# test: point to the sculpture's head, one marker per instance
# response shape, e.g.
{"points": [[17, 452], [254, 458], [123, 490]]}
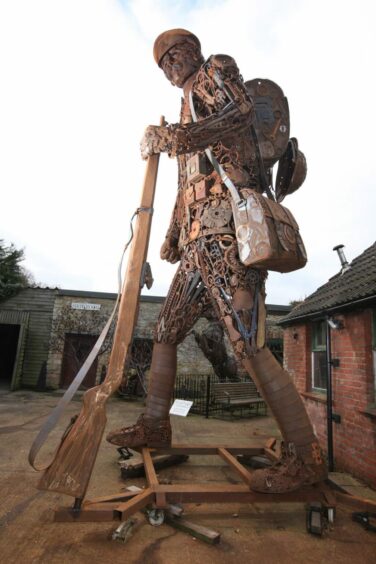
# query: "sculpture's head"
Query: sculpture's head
{"points": [[178, 53]]}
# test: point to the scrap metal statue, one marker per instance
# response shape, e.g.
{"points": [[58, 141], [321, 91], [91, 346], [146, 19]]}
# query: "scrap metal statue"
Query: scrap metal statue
{"points": [[212, 344], [202, 237]]}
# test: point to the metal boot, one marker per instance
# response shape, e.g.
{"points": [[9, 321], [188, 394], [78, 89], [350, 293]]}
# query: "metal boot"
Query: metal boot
{"points": [[153, 428], [301, 460]]}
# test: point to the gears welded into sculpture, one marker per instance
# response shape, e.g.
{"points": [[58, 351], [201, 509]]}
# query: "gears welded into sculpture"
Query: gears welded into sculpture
{"points": [[201, 236]]}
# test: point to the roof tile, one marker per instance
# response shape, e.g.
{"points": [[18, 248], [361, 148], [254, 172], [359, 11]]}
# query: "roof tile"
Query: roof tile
{"points": [[342, 289]]}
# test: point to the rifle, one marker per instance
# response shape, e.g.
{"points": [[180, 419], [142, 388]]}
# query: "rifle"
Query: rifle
{"points": [[71, 469]]}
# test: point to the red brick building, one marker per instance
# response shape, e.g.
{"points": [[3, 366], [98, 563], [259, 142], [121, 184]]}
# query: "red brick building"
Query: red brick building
{"points": [[330, 351]]}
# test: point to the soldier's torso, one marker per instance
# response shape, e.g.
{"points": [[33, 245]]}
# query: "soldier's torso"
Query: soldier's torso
{"points": [[205, 203]]}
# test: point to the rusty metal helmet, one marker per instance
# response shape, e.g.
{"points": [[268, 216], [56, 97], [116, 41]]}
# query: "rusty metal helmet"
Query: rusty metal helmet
{"points": [[166, 40], [292, 170]]}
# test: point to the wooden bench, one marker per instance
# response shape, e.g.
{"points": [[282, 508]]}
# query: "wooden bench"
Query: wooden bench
{"points": [[238, 395]]}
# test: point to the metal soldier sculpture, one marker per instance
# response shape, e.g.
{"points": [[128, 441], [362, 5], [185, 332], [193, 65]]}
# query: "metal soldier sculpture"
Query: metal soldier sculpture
{"points": [[201, 236]]}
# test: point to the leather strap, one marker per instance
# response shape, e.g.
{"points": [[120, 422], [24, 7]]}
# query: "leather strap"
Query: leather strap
{"points": [[240, 202]]}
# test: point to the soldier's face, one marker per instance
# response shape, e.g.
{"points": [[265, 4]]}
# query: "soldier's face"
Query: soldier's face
{"points": [[180, 62]]}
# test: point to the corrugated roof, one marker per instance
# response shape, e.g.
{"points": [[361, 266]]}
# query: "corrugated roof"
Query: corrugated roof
{"points": [[147, 298], [105, 295], [357, 283]]}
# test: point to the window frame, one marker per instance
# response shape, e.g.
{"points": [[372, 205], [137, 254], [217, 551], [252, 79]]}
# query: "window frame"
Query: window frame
{"points": [[318, 345]]}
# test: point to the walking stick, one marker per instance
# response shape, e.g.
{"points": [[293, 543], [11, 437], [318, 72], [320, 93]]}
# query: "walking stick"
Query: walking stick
{"points": [[72, 466]]}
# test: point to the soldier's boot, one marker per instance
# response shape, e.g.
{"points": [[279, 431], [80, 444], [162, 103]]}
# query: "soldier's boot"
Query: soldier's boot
{"points": [[153, 428], [301, 460]]}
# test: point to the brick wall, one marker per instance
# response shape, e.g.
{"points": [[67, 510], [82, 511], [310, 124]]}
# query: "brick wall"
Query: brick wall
{"points": [[297, 354], [353, 390]]}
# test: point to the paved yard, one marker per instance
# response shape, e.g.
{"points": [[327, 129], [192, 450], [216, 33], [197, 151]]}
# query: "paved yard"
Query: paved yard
{"points": [[265, 533]]}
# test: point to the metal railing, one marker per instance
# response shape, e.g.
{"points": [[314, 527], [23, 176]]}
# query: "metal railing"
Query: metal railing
{"points": [[199, 389]]}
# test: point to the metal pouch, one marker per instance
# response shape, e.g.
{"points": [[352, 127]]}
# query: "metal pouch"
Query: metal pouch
{"points": [[267, 234], [292, 170]]}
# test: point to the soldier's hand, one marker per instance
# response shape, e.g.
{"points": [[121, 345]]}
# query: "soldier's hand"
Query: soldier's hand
{"points": [[156, 139], [170, 251]]}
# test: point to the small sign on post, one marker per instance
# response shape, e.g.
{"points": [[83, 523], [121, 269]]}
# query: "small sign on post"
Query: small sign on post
{"points": [[181, 407]]}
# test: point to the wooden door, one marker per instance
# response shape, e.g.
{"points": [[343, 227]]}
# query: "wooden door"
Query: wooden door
{"points": [[76, 350], [9, 337]]}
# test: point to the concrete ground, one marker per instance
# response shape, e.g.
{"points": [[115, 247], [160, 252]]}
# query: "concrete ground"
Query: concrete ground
{"points": [[265, 533]]}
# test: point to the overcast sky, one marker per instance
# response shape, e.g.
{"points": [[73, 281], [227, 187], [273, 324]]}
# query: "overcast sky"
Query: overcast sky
{"points": [[79, 85]]}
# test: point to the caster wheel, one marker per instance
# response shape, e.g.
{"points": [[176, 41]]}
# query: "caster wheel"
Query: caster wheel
{"points": [[156, 517]]}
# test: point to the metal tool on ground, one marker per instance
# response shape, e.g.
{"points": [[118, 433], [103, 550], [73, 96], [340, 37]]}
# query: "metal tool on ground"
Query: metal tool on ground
{"points": [[124, 531], [125, 453], [365, 518], [164, 461]]}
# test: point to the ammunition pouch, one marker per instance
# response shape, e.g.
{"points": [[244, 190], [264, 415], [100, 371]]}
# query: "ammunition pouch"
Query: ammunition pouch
{"points": [[267, 234], [292, 170]]}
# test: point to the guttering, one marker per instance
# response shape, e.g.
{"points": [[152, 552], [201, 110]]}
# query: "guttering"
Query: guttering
{"points": [[328, 311]]}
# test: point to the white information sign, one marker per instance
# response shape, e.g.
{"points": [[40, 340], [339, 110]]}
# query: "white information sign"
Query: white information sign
{"points": [[181, 407], [84, 305]]}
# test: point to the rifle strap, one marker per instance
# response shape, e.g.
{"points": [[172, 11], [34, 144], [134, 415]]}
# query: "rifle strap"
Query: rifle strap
{"points": [[57, 412], [217, 167]]}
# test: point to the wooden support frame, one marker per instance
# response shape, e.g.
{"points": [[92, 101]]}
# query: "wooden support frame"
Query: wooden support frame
{"points": [[118, 507]]}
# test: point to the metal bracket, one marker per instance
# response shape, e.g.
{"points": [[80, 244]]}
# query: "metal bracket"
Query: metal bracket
{"points": [[317, 518], [336, 417]]}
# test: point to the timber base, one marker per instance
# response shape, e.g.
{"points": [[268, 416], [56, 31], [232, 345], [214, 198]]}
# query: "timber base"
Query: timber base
{"points": [[118, 507]]}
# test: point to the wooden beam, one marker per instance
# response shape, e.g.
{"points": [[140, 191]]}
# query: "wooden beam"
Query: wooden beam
{"points": [[98, 513], [231, 493], [138, 502], [235, 464], [109, 498], [151, 476], [359, 503], [208, 449], [193, 529]]}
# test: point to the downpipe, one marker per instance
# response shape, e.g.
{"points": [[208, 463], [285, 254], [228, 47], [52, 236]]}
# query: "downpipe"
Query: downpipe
{"points": [[329, 397]]}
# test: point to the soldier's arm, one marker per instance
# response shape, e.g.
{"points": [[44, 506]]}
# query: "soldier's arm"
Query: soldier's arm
{"points": [[232, 107], [170, 250], [232, 112]]}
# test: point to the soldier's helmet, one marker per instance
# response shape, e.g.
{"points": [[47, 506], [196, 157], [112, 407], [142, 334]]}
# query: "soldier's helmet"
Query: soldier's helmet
{"points": [[168, 39]]}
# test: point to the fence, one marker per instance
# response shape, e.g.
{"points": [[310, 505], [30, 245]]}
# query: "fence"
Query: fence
{"points": [[199, 389]]}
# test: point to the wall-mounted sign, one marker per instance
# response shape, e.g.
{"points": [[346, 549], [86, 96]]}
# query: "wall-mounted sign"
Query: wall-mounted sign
{"points": [[84, 305]]}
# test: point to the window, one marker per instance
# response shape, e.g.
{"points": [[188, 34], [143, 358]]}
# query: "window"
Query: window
{"points": [[319, 361]]}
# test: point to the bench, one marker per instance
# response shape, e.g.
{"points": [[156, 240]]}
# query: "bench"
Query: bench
{"points": [[238, 395]]}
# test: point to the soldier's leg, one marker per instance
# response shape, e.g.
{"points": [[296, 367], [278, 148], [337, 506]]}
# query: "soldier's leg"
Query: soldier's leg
{"points": [[240, 298], [302, 461], [185, 302]]}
